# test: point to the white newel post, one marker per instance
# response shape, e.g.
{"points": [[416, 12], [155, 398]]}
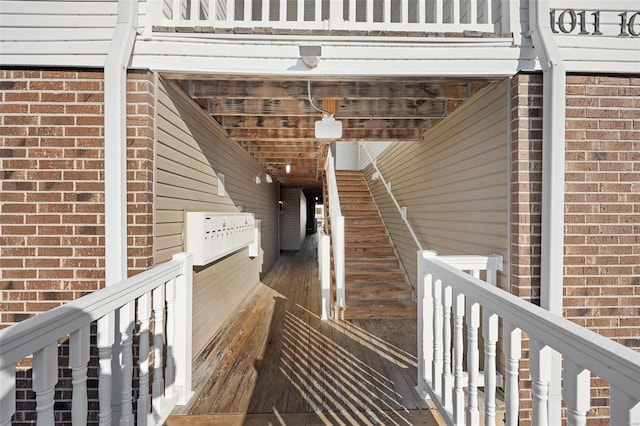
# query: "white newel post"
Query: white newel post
{"points": [[78, 359], [183, 316], [7, 394], [425, 323], [169, 369], [45, 377]]}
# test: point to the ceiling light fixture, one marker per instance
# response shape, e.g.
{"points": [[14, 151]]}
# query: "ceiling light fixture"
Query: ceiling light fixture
{"points": [[311, 55], [328, 127]]}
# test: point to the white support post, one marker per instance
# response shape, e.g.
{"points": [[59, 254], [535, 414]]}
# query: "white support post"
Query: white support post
{"points": [[182, 351], [7, 394], [624, 409], [425, 323], [105, 340], [339, 261], [324, 249], [144, 313], [78, 359], [473, 324], [45, 377], [512, 338], [576, 392], [387, 11], [490, 334]]}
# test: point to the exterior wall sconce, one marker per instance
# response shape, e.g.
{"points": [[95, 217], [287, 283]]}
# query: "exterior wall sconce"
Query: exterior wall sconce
{"points": [[311, 55], [287, 168], [269, 178], [258, 180]]}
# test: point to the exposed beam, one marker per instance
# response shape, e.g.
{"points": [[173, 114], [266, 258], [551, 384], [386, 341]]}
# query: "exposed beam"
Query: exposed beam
{"points": [[285, 122], [308, 135]]}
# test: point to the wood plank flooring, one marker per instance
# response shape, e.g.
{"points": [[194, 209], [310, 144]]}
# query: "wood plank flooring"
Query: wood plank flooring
{"points": [[276, 362]]}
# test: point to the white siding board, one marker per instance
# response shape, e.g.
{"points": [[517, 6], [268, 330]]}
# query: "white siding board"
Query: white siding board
{"points": [[191, 149], [454, 183]]}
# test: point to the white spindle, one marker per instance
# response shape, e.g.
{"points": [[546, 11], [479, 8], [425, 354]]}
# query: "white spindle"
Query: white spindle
{"points": [[512, 338], [300, 10], [158, 344], [265, 10], [144, 313], [458, 352], [421, 12], [490, 333], [473, 324], [105, 341], [624, 409], [194, 13], [404, 9], [473, 11], [352, 11], [127, 323], [488, 11], [455, 18], [175, 10], [317, 15], [7, 394], [447, 376], [248, 13], [231, 10], [576, 392], [437, 336], [171, 338], [387, 11], [540, 363], [78, 359], [369, 11], [439, 11], [45, 377]]}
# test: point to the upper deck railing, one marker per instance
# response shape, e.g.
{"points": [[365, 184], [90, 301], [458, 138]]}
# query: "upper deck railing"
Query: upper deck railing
{"points": [[349, 15]]}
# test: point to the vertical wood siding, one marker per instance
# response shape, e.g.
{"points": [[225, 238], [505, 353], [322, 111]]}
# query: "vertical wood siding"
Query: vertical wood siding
{"points": [[191, 150], [293, 220], [455, 183]]}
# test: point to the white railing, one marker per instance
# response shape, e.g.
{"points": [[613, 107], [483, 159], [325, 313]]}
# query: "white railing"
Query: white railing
{"points": [[161, 295], [403, 214], [449, 300], [324, 270], [337, 231], [366, 15]]}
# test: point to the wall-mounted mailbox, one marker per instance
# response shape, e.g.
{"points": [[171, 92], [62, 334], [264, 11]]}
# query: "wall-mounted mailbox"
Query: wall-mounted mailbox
{"points": [[210, 236]]}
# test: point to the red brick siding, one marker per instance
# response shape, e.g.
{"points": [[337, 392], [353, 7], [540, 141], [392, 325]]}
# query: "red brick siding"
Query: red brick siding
{"points": [[52, 188], [526, 197], [602, 212]]}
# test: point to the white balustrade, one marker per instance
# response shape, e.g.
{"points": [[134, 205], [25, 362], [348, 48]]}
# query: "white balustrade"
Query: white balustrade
{"points": [[39, 337], [475, 302], [369, 15]]}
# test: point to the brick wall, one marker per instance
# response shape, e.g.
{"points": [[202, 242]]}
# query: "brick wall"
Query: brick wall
{"points": [[526, 197], [52, 199], [602, 211]]}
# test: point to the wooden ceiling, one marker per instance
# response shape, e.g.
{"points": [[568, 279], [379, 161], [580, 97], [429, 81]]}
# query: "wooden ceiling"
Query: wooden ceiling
{"points": [[273, 119]]}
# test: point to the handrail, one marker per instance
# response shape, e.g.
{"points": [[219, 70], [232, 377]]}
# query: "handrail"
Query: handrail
{"points": [[393, 198], [164, 290], [337, 230], [449, 299]]}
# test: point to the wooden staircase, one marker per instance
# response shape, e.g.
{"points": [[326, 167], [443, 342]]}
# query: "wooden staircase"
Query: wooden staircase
{"points": [[375, 284]]}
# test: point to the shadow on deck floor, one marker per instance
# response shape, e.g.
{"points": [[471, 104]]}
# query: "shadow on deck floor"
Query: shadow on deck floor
{"points": [[275, 361]]}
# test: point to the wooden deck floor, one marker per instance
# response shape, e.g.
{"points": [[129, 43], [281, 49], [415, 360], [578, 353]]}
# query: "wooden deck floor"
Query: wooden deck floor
{"points": [[276, 362]]}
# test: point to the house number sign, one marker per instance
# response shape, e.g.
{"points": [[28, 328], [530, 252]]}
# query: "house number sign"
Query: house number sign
{"points": [[587, 22]]}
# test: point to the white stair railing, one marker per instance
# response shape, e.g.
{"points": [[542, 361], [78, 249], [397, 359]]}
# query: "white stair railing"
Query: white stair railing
{"points": [[324, 269], [432, 16], [337, 231], [166, 290], [443, 288]]}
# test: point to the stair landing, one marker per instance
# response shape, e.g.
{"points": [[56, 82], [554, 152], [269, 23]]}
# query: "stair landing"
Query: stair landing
{"points": [[375, 284]]}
